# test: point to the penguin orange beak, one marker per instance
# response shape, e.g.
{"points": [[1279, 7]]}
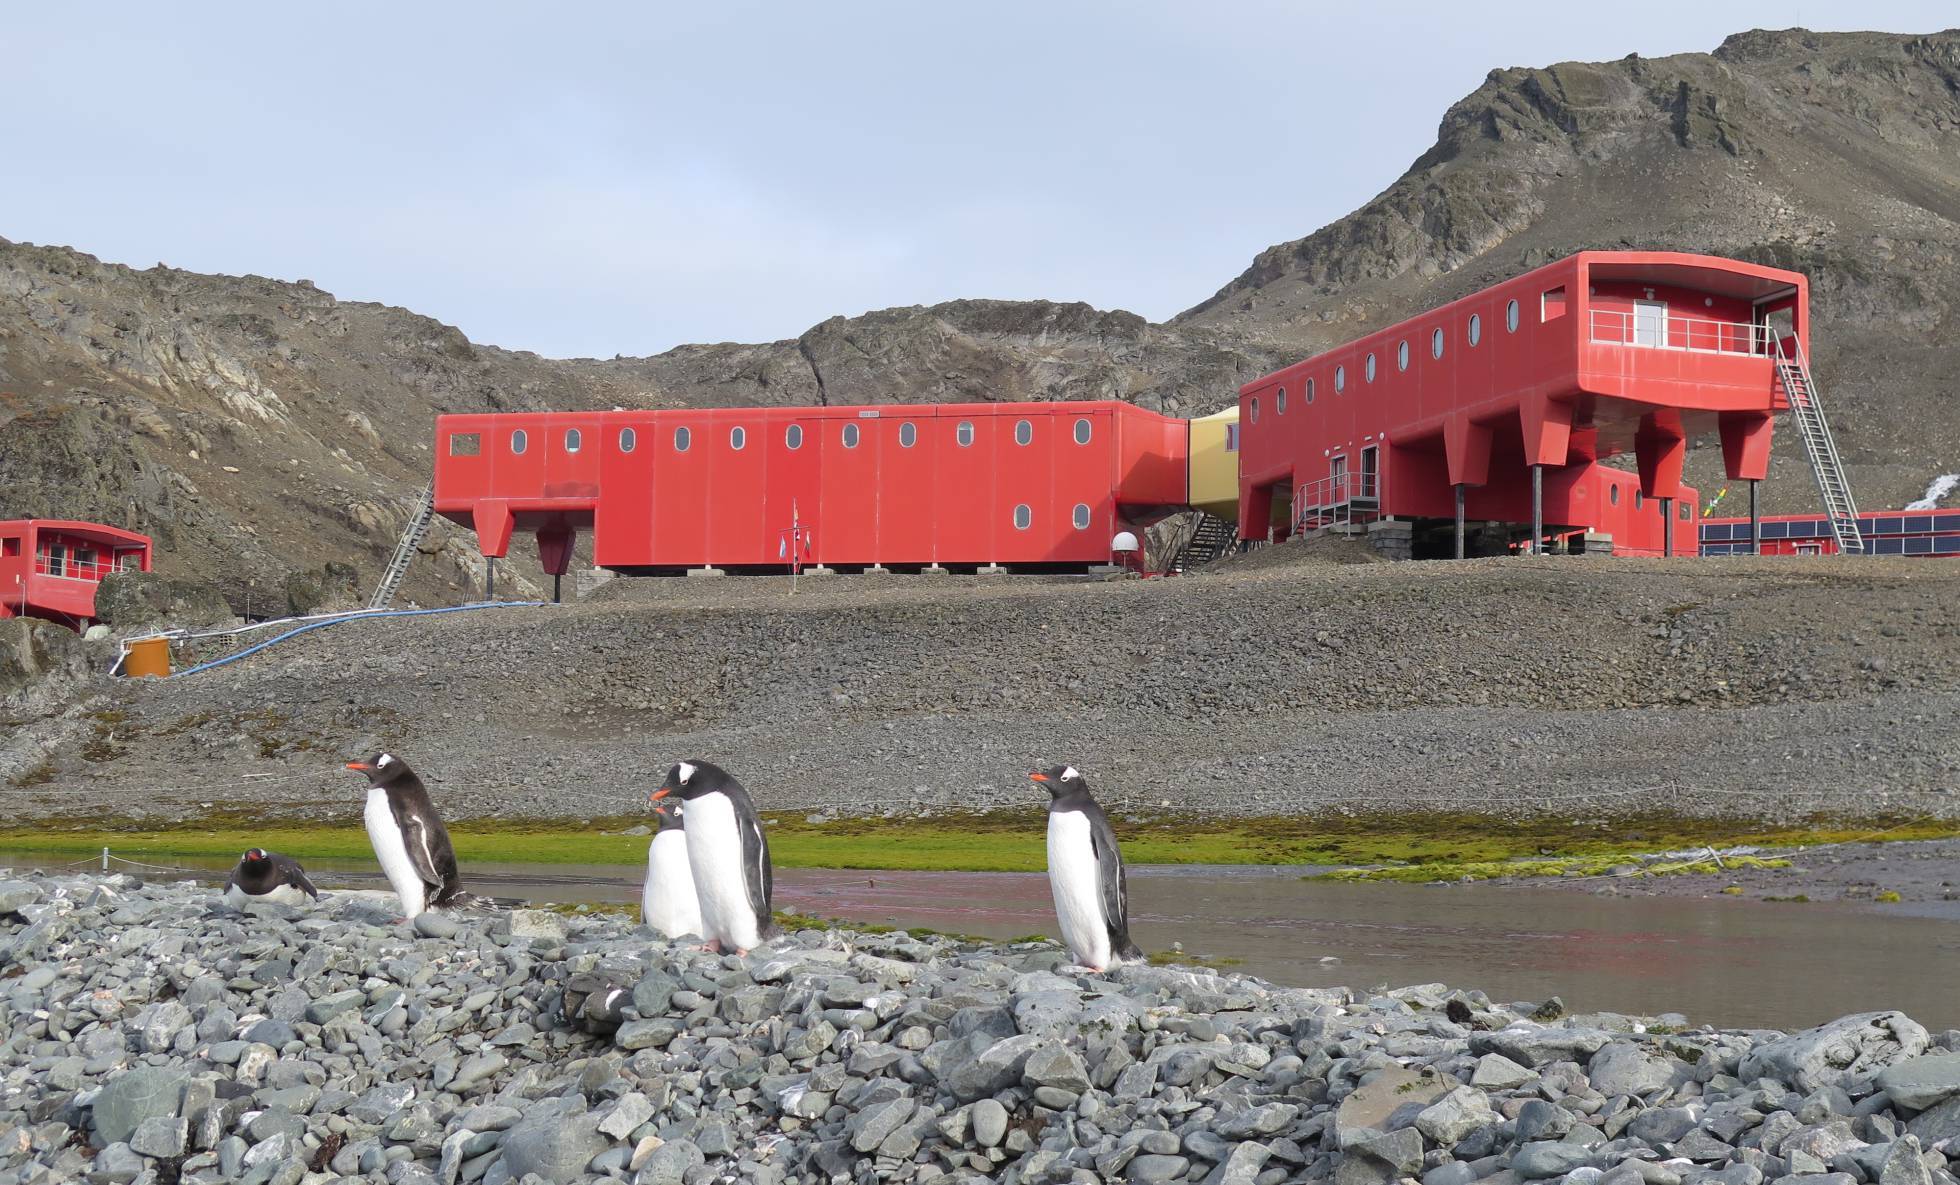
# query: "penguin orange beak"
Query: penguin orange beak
{"points": [[1037, 777], [360, 765], [659, 794]]}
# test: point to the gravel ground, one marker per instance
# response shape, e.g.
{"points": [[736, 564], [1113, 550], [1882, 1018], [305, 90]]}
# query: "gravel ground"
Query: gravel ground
{"points": [[1283, 683], [1884, 877], [154, 1034]]}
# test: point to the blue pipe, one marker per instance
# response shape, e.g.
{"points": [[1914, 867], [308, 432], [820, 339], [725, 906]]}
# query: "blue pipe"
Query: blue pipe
{"points": [[316, 625]]}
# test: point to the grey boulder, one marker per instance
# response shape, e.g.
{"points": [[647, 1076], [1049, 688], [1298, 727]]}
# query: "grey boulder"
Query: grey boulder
{"points": [[1830, 1054]]}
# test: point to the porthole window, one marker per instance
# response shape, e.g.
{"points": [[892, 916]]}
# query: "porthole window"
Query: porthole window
{"points": [[573, 440], [1255, 411], [1023, 432], [1639, 499], [1081, 516], [1368, 368], [737, 437], [1340, 379], [1476, 329], [1023, 517], [1436, 343], [518, 442], [793, 436], [1309, 390], [1279, 402], [1082, 430], [1613, 494], [1402, 355], [1511, 317], [850, 436], [1687, 511], [964, 433], [628, 440], [908, 434], [681, 439]]}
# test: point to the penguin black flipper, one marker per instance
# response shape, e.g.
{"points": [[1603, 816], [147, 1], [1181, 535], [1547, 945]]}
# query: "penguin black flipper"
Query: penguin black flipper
{"points": [[1115, 884], [760, 876], [429, 849], [288, 872]]}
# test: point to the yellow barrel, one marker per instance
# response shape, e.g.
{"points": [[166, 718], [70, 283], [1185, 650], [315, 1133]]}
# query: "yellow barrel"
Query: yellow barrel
{"points": [[148, 656]]}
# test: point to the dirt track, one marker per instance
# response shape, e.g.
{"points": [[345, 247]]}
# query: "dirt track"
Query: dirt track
{"points": [[1764, 689]]}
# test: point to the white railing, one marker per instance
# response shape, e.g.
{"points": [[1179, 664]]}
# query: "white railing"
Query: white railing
{"points": [[73, 569], [1341, 500], [1660, 330]]}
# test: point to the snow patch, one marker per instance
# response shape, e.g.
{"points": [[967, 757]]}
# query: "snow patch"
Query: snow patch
{"points": [[1942, 486]]}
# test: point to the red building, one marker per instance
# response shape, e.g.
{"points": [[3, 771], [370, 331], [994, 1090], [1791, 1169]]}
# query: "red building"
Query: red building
{"points": [[49, 567], [1888, 532], [1035, 486], [1497, 407]]}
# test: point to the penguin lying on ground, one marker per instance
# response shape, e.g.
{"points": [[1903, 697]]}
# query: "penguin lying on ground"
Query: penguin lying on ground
{"points": [[267, 876], [730, 856], [1085, 873], [408, 836], [668, 903]]}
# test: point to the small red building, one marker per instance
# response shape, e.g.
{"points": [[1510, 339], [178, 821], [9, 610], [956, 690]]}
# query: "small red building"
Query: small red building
{"points": [[1497, 407], [1033, 486], [49, 567]]}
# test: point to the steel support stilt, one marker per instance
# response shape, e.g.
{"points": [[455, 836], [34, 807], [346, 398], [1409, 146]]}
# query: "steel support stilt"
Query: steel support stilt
{"points": [[1459, 520], [1755, 521], [1537, 508]]}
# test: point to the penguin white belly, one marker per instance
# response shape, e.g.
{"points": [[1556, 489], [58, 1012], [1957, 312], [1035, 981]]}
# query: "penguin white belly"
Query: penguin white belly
{"points": [[392, 850], [1076, 882], [714, 848], [668, 903], [238, 898]]}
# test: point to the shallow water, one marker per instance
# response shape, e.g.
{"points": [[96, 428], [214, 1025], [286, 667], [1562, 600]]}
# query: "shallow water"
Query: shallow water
{"points": [[1717, 960]]}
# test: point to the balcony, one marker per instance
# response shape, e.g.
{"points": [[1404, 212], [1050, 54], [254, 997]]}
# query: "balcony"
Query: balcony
{"points": [[64, 568], [1658, 329]]}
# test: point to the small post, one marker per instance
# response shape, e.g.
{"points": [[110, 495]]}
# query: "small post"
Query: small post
{"points": [[490, 578], [105, 859], [555, 578], [1459, 520], [1537, 506], [1755, 522], [1667, 527]]}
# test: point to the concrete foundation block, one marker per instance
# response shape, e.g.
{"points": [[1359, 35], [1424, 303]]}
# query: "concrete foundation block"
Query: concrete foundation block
{"points": [[692, 572], [1595, 543], [932, 570], [820, 570], [992, 570]]}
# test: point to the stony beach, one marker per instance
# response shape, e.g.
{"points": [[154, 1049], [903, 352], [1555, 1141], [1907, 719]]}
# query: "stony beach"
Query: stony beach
{"points": [[155, 1035]]}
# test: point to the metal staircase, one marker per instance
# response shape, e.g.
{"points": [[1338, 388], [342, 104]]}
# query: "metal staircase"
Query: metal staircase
{"points": [[405, 548], [1213, 537], [1794, 372]]}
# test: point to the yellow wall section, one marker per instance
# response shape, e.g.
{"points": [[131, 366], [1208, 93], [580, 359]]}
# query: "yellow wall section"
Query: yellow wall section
{"points": [[1214, 470]]}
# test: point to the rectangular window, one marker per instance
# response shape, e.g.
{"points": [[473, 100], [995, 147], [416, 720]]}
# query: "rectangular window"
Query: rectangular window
{"points": [[1551, 305], [1231, 438], [465, 444], [9, 547]]}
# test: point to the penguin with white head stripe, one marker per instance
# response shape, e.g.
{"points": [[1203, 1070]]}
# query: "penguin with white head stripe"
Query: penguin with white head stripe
{"points": [[1085, 873], [728, 853], [408, 836]]}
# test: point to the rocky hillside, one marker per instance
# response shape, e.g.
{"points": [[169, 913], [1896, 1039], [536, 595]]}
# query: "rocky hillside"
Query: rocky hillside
{"points": [[1834, 154], [259, 427]]}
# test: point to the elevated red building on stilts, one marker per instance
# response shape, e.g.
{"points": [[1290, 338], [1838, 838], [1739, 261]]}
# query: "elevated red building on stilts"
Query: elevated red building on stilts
{"points": [[49, 568], [1497, 408]]}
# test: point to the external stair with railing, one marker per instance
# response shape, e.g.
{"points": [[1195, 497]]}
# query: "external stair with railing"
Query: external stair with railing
{"points": [[1212, 538], [405, 549], [1793, 371]]}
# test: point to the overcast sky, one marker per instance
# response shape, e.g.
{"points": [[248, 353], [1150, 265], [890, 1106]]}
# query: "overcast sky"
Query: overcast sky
{"points": [[621, 178]]}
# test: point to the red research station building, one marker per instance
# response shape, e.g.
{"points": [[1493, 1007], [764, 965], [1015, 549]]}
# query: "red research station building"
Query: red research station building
{"points": [[1497, 407], [49, 568], [1038, 486]]}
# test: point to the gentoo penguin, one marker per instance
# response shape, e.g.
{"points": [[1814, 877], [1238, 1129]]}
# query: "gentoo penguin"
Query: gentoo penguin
{"points": [[267, 876], [729, 854], [668, 903], [1085, 873], [408, 836]]}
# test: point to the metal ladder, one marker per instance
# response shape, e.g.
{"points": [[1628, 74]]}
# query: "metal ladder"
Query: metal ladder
{"points": [[1794, 372], [1214, 537], [405, 548]]}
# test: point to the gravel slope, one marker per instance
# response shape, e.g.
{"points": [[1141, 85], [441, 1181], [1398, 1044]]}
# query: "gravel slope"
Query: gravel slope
{"points": [[1766, 689]]}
